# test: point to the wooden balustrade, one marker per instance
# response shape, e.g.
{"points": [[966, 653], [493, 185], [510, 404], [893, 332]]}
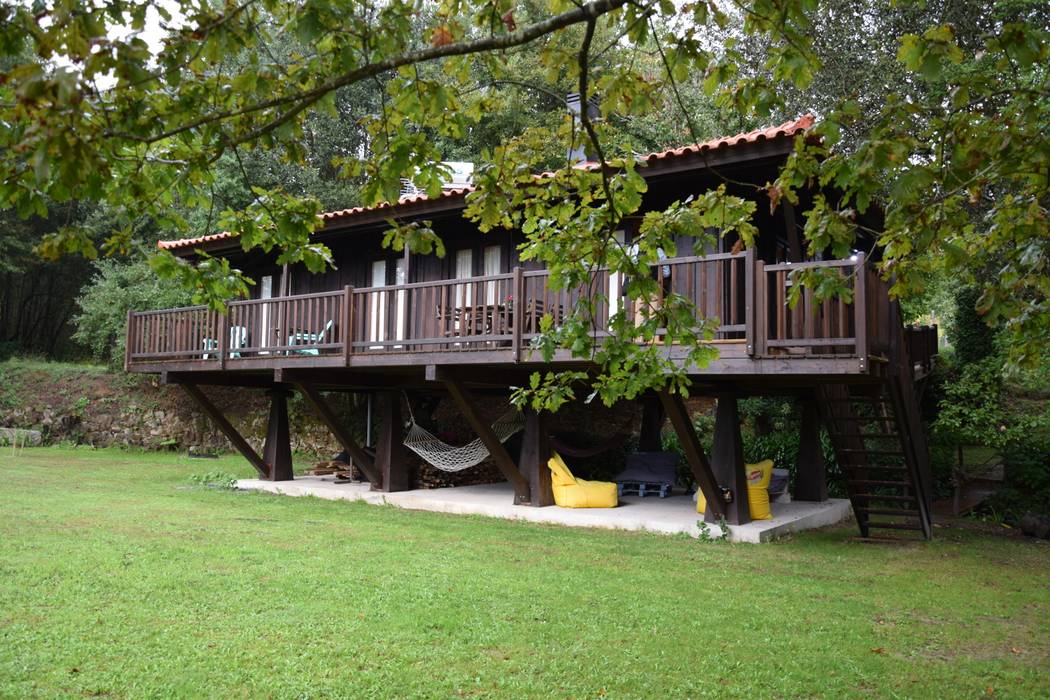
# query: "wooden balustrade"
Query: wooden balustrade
{"points": [[447, 315], [301, 325], [174, 334], [809, 327], [504, 312]]}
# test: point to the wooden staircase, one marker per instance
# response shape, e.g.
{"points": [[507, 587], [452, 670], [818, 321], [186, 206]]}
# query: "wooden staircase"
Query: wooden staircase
{"points": [[880, 446]]}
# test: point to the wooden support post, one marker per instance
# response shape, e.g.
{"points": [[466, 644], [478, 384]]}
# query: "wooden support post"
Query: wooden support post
{"points": [[361, 458], [390, 452], [129, 341], [749, 301], [277, 452], [465, 401], [860, 310], [761, 327], [653, 417], [519, 311], [347, 322], [727, 459], [811, 482], [238, 442], [224, 336], [694, 454], [795, 253], [535, 453]]}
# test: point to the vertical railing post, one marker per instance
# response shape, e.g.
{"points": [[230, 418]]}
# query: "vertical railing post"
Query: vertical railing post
{"points": [[761, 304], [860, 310], [749, 301], [347, 322], [518, 313], [128, 339], [224, 335]]}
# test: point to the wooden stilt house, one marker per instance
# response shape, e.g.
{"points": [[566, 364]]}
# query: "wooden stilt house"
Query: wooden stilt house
{"points": [[383, 322]]}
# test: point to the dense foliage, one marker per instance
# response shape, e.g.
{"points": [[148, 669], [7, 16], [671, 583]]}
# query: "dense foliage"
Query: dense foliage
{"points": [[953, 138], [115, 289]]}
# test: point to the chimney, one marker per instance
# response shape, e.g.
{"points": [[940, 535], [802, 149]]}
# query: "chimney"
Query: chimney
{"points": [[572, 102]]}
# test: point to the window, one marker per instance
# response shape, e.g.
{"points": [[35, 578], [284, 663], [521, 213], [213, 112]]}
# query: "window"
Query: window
{"points": [[377, 305], [400, 298], [491, 260], [464, 270]]}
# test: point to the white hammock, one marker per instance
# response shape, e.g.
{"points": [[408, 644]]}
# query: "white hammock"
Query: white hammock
{"points": [[450, 458]]}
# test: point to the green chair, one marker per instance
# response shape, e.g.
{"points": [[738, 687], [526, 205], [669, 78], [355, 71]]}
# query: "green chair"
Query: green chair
{"points": [[309, 339]]}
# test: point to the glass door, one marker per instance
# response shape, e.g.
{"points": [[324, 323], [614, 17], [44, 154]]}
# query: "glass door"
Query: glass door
{"points": [[377, 306], [400, 299]]}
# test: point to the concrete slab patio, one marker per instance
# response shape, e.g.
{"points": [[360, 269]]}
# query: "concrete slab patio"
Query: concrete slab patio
{"points": [[673, 515]]}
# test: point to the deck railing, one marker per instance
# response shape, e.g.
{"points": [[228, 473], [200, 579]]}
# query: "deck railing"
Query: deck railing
{"points": [[503, 312]]}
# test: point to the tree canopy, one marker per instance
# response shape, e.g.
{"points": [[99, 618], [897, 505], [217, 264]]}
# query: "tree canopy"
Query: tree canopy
{"points": [[937, 112]]}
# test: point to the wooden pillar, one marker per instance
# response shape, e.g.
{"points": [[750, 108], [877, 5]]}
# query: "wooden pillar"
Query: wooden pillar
{"points": [[390, 452], [235, 438], [694, 454], [362, 460], [727, 459], [465, 400], [653, 417], [811, 482], [532, 461], [277, 451]]}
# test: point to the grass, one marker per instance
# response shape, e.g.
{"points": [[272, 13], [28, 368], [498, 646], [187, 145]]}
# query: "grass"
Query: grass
{"points": [[121, 577]]}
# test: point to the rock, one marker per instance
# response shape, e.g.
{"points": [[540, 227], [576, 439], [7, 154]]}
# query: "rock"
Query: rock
{"points": [[1035, 525], [21, 436]]}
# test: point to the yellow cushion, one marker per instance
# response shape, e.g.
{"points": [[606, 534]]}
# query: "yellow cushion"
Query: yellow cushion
{"points": [[570, 492], [758, 476]]}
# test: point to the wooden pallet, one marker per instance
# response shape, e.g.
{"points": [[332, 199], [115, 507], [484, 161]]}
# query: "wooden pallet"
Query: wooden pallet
{"points": [[643, 489]]}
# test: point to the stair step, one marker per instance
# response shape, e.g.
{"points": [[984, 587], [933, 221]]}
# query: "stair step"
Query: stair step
{"points": [[886, 511], [870, 539], [861, 399], [867, 435], [894, 453], [876, 482], [895, 526], [884, 468], [888, 497]]}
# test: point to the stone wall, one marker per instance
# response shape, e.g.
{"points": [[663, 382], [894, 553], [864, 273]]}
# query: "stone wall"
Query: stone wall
{"points": [[103, 409]]}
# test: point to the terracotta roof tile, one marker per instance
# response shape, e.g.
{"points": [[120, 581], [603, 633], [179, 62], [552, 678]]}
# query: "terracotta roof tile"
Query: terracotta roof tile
{"points": [[788, 129]]}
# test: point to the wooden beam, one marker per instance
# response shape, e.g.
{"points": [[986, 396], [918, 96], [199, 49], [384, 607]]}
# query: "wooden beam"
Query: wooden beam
{"points": [[390, 451], [277, 451], [727, 459], [217, 378], [361, 458], [795, 253], [238, 442], [694, 454], [653, 417], [535, 453], [811, 482], [503, 376], [465, 401]]}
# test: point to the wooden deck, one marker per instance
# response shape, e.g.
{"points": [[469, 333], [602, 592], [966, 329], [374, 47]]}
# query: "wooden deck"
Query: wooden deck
{"points": [[492, 320]]}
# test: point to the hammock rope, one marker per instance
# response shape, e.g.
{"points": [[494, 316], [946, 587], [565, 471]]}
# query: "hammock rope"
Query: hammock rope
{"points": [[452, 458]]}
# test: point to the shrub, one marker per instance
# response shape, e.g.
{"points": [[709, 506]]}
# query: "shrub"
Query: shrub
{"points": [[769, 430], [214, 480], [973, 339], [119, 286]]}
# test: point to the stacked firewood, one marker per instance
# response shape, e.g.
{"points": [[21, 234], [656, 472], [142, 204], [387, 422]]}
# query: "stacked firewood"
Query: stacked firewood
{"points": [[427, 477], [340, 470]]}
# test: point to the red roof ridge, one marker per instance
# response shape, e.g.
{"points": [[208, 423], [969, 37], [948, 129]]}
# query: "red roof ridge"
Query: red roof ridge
{"points": [[788, 129]]}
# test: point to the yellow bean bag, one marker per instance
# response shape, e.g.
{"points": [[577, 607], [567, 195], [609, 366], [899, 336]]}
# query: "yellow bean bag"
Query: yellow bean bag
{"points": [[758, 476], [570, 492]]}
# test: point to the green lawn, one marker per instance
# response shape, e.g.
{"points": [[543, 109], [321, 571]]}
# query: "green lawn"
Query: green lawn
{"points": [[119, 578]]}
